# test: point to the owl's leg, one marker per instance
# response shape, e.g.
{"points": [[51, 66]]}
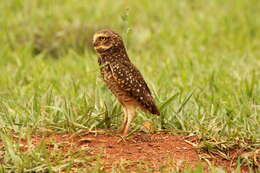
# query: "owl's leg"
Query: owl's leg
{"points": [[124, 120], [130, 116]]}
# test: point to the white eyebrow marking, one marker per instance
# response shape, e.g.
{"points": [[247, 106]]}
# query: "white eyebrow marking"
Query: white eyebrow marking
{"points": [[98, 35]]}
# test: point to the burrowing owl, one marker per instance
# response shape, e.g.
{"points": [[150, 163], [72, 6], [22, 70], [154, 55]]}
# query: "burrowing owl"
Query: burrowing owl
{"points": [[122, 77]]}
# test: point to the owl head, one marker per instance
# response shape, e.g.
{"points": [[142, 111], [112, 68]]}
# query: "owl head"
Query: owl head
{"points": [[107, 40]]}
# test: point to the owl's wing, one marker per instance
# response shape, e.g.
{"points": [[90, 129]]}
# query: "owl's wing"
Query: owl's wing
{"points": [[130, 80]]}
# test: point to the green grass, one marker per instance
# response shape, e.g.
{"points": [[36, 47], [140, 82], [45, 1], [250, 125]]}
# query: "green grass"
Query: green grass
{"points": [[200, 58]]}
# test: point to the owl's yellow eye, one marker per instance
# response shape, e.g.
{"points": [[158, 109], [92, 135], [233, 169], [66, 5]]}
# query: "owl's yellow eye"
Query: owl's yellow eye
{"points": [[102, 38]]}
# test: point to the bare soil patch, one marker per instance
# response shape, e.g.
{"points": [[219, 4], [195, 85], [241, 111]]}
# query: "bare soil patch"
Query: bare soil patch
{"points": [[158, 150]]}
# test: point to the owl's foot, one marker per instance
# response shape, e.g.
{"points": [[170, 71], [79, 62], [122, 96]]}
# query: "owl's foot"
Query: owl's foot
{"points": [[122, 138]]}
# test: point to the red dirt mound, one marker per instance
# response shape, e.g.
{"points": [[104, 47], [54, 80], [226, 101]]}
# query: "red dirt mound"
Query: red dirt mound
{"points": [[153, 148], [157, 150]]}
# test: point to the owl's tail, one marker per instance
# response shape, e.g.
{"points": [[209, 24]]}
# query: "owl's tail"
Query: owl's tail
{"points": [[148, 105], [154, 110]]}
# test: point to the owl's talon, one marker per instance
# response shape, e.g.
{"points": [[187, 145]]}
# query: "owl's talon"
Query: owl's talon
{"points": [[122, 139]]}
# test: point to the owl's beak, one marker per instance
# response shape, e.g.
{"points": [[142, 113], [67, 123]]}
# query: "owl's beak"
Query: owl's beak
{"points": [[94, 42]]}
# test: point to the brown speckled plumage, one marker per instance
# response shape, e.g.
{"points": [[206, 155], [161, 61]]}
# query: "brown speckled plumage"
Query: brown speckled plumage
{"points": [[122, 77]]}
